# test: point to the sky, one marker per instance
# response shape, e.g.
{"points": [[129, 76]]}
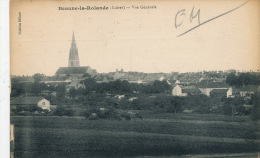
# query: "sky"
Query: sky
{"points": [[143, 40]]}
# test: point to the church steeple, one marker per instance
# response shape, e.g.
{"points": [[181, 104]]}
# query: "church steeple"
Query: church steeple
{"points": [[73, 57], [73, 38]]}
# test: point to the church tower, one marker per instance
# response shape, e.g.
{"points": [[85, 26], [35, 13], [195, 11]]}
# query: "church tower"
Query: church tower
{"points": [[73, 57]]}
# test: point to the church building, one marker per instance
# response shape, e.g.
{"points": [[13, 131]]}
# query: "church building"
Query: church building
{"points": [[74, 70], [74, 73]]}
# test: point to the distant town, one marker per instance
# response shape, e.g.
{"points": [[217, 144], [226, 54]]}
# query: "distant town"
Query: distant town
{"points": [[78, 112], [228, 92]]}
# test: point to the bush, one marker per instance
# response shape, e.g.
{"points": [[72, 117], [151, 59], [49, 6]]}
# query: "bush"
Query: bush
{"points": [[62, 111], [175, 105], [59, 111], [138, 116], [227, 110], [27, 110], [69, 112], [126, 116], [102, 113], [93, 116]]}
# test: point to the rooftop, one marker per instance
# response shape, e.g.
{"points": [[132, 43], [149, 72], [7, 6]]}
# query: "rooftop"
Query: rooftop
{"points": [[27, 100], [72, 70], [219, 91], [212, 85]]}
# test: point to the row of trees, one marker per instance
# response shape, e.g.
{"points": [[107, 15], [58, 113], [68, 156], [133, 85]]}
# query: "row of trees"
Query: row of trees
{"points": [[119, 86], [35, 88], [239, 80]]}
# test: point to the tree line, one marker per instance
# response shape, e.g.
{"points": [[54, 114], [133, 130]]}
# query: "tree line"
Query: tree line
{"points": [[241, 79]]}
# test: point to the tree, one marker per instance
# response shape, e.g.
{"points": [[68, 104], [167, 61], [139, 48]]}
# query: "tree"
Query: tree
{"points": [[69, 112], [32, 108], [87, 75], [72, 92], [60, 110], [231, 79], [136, 104], [37, 87], [16, 87], [37, 77], [90, 85], [125, 86], [175, 105], [239, 80], [227, 109], [256, 106], [61, 91]]}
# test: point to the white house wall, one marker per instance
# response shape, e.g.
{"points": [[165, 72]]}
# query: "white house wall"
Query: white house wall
{"points": [[229, 92], [206, 91], [177, 91], [44, 104]]}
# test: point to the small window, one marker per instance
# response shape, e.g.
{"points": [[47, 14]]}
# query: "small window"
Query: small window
{"points": [[43, 103]]}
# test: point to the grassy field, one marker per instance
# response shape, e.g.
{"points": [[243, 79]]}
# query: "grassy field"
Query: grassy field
{"points": [[155, 135]]}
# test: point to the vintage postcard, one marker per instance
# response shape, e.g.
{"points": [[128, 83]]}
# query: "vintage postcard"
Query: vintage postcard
{"points": [[144, 78]]}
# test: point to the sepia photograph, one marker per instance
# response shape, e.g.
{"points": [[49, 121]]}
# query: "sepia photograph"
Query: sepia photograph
{"points": [[144, 78]]}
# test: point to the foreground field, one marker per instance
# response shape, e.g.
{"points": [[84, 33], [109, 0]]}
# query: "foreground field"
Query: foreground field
{"points": [[155, 135]]}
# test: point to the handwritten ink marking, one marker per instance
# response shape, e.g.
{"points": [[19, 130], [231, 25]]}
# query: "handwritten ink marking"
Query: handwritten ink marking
{"points": [[196, 15], [179, 13], [213, 19], [19, 23]]}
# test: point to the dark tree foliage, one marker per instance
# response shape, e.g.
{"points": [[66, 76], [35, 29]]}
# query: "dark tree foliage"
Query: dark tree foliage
{"points": [[157, 87], [72, 92], [175, 105], [69, 112], [227, 109], [37, 87], [62, 111], [87, 75], [102, 114], [28, 108], [34, 88], [19, 88], [61, 91], [16, 87], [235, 101], [239, 80], [256, 106], [122, 87], [59, 111], [37, 77], [90, 85], [161, 86]]}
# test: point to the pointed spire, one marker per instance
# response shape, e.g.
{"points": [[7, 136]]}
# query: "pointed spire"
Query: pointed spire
{"points": [[73, 37], [73, 56]]}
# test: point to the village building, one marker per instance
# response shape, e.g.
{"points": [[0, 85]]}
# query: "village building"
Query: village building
{"points": [[103, 78], [23, 79], [171, 82], [76, 83], [184, 91], [31, 100], [248, 90], [74, 70], [48, 79], [74, 75], [207, 87], [49, 93], [220, 93], [119, 74]]}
